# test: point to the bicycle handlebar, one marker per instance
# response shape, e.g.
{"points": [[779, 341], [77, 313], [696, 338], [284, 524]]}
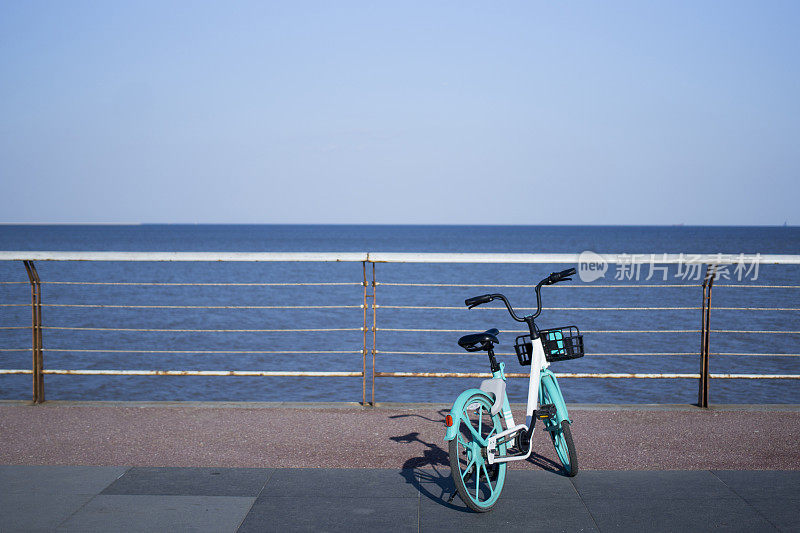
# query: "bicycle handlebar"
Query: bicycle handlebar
{"points": [[478, 300], [554, 277]]}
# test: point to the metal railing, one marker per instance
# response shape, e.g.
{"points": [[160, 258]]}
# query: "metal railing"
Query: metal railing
{"points": [[369, 314]]}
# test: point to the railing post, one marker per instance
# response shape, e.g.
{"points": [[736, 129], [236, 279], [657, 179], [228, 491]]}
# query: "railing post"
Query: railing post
{"points": [[36, 330], [705, 334], [364, 330], [374, 332]]}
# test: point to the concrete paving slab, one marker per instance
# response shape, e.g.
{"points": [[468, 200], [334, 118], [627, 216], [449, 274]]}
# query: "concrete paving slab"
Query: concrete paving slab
{"points": [[339, 483], [57, 479], [538, 485], [782, 513], [654, 485], [191, 481], [703, 513], [331, 513], [35, 512], [509, 514], [526, 496], [763, 484], [143, 513]]}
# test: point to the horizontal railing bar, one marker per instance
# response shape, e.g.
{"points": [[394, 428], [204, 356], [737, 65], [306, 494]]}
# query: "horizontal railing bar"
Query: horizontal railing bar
{"points": [[548, 258], [388, 284], [756, 308], [509, 353], [758, 354], [291, 352], [601, 353], [767, 331], [113, 306], [588, 285], [410, 330], [512, 331], [15, 349], [159, 330], [402, 307], [755, 376], [394, 257], [159, 284], [186, 256], [387, 374], [521, 375], [464, 308], [259, 373], [585, 375], [591, 308], [527, 286], [742, 285]]}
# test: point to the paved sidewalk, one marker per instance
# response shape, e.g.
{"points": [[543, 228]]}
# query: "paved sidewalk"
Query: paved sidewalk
{"points": [[394, 436], [102, 499]]}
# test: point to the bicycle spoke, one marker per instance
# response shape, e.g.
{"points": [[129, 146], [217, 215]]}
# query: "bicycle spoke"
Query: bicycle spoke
{"points": [[466, 470], [488, 480], [475, 435]]}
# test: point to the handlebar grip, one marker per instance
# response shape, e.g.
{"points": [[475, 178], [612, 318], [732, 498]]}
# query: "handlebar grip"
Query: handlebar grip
{"points": [[555, 277], [478, 300]]}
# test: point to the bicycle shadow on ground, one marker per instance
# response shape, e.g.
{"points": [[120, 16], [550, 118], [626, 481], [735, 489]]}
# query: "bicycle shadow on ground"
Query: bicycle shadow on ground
{"points": [[441, 412], [430, 474]]}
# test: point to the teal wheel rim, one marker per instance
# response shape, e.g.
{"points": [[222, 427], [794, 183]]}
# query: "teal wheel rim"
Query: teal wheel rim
{"points": [[556, 433], [479, 481]]}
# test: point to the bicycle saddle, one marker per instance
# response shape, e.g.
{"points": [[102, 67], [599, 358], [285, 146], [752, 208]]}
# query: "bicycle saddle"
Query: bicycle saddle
{"points": [[479, 341]]}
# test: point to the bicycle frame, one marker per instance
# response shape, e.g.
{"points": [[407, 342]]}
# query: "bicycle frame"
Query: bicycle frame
{"points": [[539, 371]]}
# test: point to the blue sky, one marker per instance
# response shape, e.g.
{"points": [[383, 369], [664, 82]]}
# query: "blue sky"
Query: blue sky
{"points": [[400, 112]]}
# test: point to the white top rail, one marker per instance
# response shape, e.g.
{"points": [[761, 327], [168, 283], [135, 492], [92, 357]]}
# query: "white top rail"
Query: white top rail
{"points": [[686, 258], [184, 256], [415, 257]]}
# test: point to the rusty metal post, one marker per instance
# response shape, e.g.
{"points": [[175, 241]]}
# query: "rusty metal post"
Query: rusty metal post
{"points": [[705, 334], [374, 331], [36, 330], [364, 330]]}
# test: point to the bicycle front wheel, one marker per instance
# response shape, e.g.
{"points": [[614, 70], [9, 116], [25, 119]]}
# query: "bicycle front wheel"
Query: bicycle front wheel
{"points": [[561, 434], [565, 448], [478, 483]]}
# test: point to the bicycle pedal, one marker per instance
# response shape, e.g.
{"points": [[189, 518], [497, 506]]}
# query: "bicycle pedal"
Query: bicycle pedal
{"points": [[546, 412]]}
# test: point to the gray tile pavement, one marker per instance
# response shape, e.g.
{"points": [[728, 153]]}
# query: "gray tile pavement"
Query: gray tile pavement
{"points": [[87, 499]]}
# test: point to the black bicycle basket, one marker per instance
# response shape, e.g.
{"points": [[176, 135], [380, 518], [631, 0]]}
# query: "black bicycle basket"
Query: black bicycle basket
{"points": [[560, 344]]}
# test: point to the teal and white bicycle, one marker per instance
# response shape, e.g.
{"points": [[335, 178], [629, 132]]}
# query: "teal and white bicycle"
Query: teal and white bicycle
{"points": [[480, 427]]}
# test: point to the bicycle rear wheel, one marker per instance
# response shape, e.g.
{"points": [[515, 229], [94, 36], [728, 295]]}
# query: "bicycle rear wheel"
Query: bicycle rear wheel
{"points": [[478, 483]]}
